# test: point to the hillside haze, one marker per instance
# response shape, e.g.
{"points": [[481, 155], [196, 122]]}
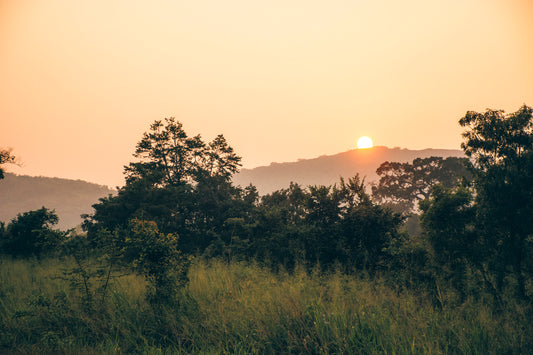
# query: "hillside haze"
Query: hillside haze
{"points": [[72, 198], [327, 169], [69, 198]]}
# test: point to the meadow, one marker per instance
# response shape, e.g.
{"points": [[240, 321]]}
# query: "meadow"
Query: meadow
{"points": [[242, 308]]}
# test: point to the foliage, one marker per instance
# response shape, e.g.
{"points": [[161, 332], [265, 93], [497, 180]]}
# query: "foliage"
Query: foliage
{"points": [[5, 158], [321, 225], [501, 148], [139, 248], [31, 233], [180, 183], [401, 185], [167, 156], [494, 139], [183, 185], [91, 273], [448, 220], [156, 256], [487, 231]]}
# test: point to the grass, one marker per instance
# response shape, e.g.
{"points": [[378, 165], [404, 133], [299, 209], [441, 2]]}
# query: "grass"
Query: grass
{"points": [[244, 308]]}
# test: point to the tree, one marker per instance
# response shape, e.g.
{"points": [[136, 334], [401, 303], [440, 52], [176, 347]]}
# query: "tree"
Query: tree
{"points": [[501, 148], [448, 221], [167, 156], [367, 228], [180, 183], [5, 158], [31, 233], [401, 185], [219, 159], [494, 139], [324, 225]]}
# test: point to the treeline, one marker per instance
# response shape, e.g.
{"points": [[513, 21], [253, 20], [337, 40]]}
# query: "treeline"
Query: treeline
{"points": [[178, 201]]}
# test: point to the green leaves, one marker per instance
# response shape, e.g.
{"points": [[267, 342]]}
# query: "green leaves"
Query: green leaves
{"points": [[156, 256]]}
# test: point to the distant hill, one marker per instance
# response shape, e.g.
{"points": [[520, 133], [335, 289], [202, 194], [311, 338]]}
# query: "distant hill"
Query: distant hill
{"points": [[327, 169], [69, 198]]}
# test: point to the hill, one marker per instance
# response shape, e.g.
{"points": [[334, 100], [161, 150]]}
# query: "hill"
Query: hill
{"points": [[69, 198], [326, 169]]}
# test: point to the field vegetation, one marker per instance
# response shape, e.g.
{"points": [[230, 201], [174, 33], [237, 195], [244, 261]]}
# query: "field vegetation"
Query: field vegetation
{"points": [[245, 308], [183, 261]]}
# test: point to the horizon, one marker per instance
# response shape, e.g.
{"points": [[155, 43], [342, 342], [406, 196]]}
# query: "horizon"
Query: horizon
{"points": [[271, 164], [81, 82]]}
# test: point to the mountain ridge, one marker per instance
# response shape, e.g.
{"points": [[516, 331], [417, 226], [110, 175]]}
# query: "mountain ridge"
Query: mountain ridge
{"points": [[71, 198], [327, 169]]}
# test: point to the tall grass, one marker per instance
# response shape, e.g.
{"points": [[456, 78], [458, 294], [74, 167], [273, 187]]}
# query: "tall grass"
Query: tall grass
{"points": [[245, 308]]}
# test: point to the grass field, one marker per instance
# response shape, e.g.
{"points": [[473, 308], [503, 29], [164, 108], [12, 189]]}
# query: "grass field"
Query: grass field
{"points": [[242, 308]]}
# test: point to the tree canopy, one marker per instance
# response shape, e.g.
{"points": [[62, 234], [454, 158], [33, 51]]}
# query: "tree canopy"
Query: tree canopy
{"points": [[501, 148], [402, 185], [491, 226], [168, 156], [181, 183], [494, 138], [5, 157], [31, 233]]}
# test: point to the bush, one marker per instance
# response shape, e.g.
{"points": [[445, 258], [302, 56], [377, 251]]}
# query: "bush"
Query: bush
{"points": [[31, 234]]}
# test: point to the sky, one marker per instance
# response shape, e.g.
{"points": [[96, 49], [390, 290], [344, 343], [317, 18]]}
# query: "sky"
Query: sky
{"points": [[80, 81]]}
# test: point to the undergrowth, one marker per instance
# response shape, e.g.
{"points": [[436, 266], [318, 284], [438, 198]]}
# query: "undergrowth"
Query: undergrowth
{"points": [[244, 308]]}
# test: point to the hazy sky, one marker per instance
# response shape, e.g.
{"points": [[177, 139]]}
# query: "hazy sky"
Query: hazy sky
{"points": [[80, 81]]}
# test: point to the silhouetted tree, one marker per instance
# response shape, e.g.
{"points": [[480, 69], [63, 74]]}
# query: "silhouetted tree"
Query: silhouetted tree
{"points": [[402, 185], [448, 221], [31, 233], [501, 148], [368, 229], [167, 156], [180, 183], [490, 227], [324, 225], [5, 158]]}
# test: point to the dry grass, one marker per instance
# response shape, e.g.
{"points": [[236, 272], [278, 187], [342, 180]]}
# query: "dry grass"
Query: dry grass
{"points": [[244, 308]]}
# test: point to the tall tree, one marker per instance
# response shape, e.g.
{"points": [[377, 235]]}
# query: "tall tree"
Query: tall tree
{"points": [[501, 148], [494, 138], [168, 156], [177, 181]]}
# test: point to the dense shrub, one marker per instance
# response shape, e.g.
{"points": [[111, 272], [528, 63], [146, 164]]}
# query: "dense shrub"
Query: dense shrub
{"points": [[31, 234]]}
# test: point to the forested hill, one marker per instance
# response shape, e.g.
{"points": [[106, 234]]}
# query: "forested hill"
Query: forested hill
{"points": [[326, 170], [70, 198]]}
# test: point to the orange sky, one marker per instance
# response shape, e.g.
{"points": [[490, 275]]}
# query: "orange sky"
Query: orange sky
{"points": [[80, 81]]}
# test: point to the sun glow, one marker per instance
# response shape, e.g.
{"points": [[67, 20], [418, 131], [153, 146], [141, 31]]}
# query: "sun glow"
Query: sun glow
{"points": [[364, 143]]}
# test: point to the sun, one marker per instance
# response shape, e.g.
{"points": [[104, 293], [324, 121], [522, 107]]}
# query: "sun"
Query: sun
{"points": [[364, 142]]}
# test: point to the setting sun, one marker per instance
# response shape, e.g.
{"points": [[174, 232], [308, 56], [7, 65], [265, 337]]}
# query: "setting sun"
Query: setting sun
{"points": [[364, 142]]}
